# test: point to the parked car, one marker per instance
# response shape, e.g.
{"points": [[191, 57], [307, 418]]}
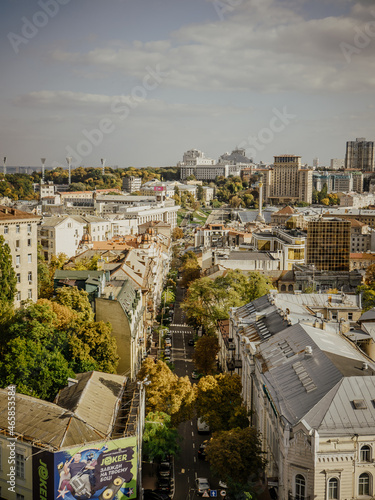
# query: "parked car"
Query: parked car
{"points": [[202, 427], [167, 357], [202, 485], [155, 495], [195, 375], [165, 469], [167, 351], [164, 485], [223, 485], [202, 450]]}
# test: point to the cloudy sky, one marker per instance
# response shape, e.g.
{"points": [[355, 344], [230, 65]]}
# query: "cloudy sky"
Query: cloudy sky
{"points": [[139, 82]]}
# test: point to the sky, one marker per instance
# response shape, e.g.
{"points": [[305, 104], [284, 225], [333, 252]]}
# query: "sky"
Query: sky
{"points": [[139, 82]]}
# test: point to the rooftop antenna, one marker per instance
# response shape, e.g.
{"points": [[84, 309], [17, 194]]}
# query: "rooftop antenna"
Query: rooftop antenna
{"points": [[43, 160], [103, 160], [69, 162], [5, 165]]}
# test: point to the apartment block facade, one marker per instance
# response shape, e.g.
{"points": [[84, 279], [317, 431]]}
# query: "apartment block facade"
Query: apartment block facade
{"points": [[289, 182], [19, 230], [360, 155]]}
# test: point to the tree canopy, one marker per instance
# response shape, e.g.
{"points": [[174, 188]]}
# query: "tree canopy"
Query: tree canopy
{"points": [[236, 457], [159, 437], [205, 352], [47, 342], [208, 301], [167, 392], [219, 402], [8, 282]]}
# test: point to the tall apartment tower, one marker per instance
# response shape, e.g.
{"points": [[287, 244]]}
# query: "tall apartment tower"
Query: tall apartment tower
{"points": [[360, 154], [328, 244], [289, 182]]}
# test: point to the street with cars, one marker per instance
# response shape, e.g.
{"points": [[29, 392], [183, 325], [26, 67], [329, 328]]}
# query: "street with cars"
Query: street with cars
{"points": [[192, 476]]}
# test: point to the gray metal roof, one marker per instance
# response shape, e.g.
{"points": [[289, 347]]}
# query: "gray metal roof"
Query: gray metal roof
{"points": [[337, 414], [298, 381], [243, 255]]}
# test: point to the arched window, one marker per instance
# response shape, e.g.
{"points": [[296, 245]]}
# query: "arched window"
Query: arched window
{"points": [[290, 288], [300, 487], [333, 489], [364, 484], [365, 453], [283, 288]]}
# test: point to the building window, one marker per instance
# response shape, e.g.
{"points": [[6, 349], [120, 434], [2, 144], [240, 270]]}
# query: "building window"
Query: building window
{"points": [[18, 260], [29, 228], [19, 496], [18, 296], [29, 258], [29, 294], [364, 484], [20, 465], [333, 489], [30, 276], [17, 244], [29, 242], [17, 228], [365, 453], [300, 487], [18, 278], [6, 229]]}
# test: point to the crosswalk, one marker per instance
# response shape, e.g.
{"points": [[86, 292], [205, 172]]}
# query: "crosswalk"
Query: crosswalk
{"points": [[180, 324]]}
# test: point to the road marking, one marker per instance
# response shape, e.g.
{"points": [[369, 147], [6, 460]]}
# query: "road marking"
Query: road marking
{"points": [[195, 459], [192, 434], [193, 445]]}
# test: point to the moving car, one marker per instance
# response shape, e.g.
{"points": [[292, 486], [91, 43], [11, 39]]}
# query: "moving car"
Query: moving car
{"points": [[202, 485]]}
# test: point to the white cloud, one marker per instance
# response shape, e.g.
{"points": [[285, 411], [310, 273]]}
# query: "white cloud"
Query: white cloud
{"points": [[261, 45]]}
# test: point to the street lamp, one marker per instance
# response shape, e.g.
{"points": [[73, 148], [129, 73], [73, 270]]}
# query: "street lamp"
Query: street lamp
{"points": [[141, 424]]}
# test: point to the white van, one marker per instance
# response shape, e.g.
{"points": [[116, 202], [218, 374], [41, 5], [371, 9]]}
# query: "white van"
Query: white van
{"points": [[202, 426]]}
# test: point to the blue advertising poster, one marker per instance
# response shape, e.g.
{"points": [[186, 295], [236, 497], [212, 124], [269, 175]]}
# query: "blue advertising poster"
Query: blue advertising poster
{"points": [[104, 471]]}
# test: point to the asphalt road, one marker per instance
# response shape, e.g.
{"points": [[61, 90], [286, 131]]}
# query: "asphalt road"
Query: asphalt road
{"points": [[187, 466]]}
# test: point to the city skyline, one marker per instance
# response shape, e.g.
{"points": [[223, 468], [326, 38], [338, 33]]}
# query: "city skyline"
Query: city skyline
{"points": [[141, 83]]}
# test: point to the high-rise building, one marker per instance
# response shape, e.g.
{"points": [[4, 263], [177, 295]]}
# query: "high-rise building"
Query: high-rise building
{"points": [[289, 182], [360, 154], [328, 244]]}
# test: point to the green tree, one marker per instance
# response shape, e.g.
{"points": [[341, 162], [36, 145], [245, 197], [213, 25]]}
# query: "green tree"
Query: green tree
{"points": [[177, 233], [236, 457], [167, 392], [92, 347], [159, 437], [219, 402], [77, 300], [8, 278], [205, 352]]}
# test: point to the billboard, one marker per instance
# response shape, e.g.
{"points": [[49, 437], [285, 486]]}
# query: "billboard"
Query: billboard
{"points": [[159, 188], [104, 470]]}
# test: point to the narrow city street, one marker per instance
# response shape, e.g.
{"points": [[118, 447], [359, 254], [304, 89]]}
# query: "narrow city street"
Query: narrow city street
{"points": [[187, 466]]}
